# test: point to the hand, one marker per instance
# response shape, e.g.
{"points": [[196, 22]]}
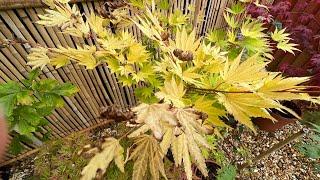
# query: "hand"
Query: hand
{"points": [[4, 136]]}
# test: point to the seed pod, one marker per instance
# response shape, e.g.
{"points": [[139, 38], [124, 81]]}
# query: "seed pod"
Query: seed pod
{"points": [[177, 52], [164, 36], [186, 56], [116, 113]]}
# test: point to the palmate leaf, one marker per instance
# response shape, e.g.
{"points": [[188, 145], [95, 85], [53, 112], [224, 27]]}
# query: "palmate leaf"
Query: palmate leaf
{"points": [[189, 75], [144, 74], [280, 35], [152, 116], [218, 37], [287, 46], [59, 61], [205, 105], [177, 18], [244, 106], [231, 20], [185, 41], [147, 153], [137, 54], [185, 141], [278, 87], [56, 17], [38, 58], [257, 46], [237, 8], [84, 56], [150, 26], [111, 150], [97, 25], [252, 29], [195, 139], [172, 92], [250, 70]]}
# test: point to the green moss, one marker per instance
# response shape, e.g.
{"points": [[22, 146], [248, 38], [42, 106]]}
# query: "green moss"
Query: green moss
{"points": [[59, 159]]}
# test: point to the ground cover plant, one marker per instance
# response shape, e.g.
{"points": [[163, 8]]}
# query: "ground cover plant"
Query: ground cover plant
{"points": [[192, 84]]}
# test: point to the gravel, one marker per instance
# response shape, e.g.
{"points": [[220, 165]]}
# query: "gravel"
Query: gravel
{"points": [[285, 164]]}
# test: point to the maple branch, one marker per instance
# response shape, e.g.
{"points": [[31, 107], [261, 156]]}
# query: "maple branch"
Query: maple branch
{"points": [[244, 92], [14, 41]]}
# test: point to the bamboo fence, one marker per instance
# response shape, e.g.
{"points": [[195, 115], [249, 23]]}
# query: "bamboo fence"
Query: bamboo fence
{"points": [[98, 87]]}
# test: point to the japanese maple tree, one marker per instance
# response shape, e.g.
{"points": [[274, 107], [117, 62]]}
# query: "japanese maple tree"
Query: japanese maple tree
{"points": [[190, 82]]}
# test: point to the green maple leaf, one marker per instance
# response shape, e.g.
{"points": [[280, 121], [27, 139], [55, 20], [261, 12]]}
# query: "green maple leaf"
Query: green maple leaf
{"points": [[10, 87], [236, 9], [65, 89], [52, 100], [8, 102], [25, 98], [25, 128]]}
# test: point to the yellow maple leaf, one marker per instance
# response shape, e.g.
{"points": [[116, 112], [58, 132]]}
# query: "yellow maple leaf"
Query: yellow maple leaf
{"points": [[172, 92], [280, 35], [153, 115], [97, 24], [58, 16], [245, 105], [60, 61], [137, 54], [150, 26], [111, 150], [38, 58], [184, 41], [250, 70], [253, 29], [278, 87], [147, 153], [192, 139], [286, 46], [231, 20], [84, 56], [206, 105]]}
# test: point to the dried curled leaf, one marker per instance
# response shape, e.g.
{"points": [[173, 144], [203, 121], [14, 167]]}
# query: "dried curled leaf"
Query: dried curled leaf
{"points": [[147, 153], [111, 150]]}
